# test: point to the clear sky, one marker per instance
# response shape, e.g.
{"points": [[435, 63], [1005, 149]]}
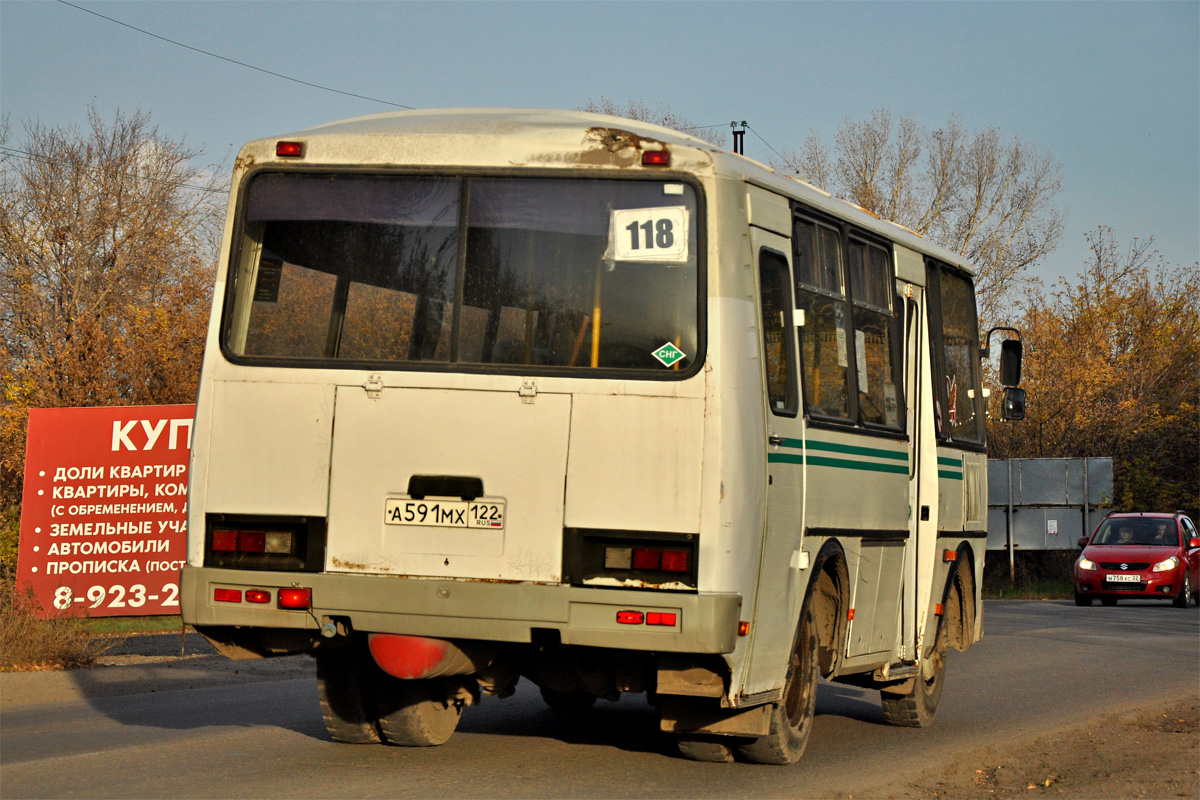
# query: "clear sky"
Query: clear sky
{"points": [[1111, 89]]}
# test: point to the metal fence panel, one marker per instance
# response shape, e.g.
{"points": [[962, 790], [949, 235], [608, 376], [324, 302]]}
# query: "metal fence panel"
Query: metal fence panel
{"points": [[997, 528], [997, 485], [1100, 482], [1043, 481], [1048, 508]]}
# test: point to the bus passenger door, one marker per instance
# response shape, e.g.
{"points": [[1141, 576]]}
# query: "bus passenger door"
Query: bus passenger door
{"points": [[781, 581], [923, 486]]}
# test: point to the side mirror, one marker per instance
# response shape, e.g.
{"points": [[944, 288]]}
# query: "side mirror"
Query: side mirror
{"points": [[1082, 541], [1013, 407], [1193, 543], [1010, 363]]}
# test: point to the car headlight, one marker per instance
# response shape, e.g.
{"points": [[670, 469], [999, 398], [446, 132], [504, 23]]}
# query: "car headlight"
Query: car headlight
{"points": [[1163, 566], [1085, 563]]}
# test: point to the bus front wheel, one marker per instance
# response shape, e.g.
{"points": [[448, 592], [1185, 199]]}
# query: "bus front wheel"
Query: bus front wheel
{"points": [[792, 716], [705, 748], [917, 707]]}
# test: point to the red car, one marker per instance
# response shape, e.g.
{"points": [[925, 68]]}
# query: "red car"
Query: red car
{"points": [[1139, 557]]}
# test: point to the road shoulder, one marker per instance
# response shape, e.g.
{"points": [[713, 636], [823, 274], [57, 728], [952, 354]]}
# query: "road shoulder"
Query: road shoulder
{"points": [[1151, 752]]}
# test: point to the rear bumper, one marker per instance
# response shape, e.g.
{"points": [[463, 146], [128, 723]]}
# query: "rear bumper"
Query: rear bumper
{"points": [[464, 609]]}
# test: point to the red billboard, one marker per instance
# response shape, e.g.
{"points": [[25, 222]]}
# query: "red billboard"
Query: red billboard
{"points": [[104, 512]]}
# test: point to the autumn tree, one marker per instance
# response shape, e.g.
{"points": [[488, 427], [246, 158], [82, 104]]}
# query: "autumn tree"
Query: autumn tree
{"points": [[108, 239], [1111, 370], [659, 115], [985, 197]]}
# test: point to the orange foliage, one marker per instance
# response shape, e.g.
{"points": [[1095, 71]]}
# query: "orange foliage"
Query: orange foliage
{"points": [[1111, 370]]}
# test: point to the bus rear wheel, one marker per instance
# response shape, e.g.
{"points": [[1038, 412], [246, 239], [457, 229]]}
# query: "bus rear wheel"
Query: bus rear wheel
{"points": [[345, 691], [414, 713], [792, 716]]}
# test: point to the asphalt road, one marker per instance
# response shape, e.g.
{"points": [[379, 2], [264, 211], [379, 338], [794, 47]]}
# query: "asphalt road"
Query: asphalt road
{"points": [[198, 730]]}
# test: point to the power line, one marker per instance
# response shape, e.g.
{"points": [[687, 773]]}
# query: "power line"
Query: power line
{"points": [[773, 150], [232, 60], [785, 160], [55, 163]]}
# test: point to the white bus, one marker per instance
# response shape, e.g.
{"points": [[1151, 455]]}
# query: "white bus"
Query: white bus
{"points": [[492, 394]]}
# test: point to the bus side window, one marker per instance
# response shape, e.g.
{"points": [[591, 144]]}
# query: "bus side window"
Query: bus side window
{"points": [[820, 294], [876, 348], [958, 400], [779, 354]]}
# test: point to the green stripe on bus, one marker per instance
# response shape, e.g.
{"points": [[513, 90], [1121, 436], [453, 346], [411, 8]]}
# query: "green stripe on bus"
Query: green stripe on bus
{"points": [[837, 463], [955, 474], [849, 449]]}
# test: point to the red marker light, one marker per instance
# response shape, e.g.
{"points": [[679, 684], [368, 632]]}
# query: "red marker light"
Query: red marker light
{"points": [[630, 617], [660, 618], [295, 598], [289, 149], [257, 596], [227, 595], [656, 158]]}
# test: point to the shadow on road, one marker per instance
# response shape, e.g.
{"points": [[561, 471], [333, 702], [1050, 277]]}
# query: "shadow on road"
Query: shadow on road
{"points": [[149, 685]]}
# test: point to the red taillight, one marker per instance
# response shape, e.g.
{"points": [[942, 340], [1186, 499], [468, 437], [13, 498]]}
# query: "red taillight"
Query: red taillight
{"points": [[225, 541], [651, 558], [257, 596], [646, 558], [252, 541], [289, 149], [630, 617], [674, 560], [295, 598], [227, 595], [656, 158], [660, 618]]}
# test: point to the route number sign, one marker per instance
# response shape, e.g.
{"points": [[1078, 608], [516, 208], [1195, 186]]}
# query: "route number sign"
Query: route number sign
{"points": [[650, 234]]}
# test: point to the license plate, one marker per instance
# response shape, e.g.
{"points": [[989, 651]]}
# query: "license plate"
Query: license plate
{"points": [[1123, 578], [445, 513]]}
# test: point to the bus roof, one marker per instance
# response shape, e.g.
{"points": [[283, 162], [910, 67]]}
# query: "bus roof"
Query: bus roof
{"points": [[549, 137]]}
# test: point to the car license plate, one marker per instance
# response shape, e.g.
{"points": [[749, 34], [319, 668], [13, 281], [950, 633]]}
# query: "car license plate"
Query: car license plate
{"points": [[445, 513], [1123, 578]]}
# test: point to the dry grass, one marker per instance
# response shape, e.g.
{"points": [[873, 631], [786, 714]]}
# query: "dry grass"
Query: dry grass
{"points": [[28, 642]]}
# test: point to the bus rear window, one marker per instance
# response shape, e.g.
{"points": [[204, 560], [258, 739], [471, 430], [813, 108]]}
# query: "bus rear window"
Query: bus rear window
{"points": [[556, 273]]}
